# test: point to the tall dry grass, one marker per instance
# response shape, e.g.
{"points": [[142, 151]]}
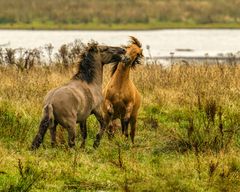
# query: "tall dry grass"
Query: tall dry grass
{"points": [[187, 137]]}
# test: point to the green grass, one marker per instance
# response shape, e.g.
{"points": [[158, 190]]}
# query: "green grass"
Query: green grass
{"points": [[154, 163], [187, 135], [128, 26]]}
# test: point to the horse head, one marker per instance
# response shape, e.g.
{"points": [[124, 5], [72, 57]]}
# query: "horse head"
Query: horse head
{"points": [[111, 54], [134, 53], [94, 57]]}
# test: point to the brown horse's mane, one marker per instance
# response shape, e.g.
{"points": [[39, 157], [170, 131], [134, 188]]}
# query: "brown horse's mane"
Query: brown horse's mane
{"points": [[86, 66], [133, 40]]}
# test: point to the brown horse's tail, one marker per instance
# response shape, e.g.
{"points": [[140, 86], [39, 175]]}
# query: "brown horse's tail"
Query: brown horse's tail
{"points": [[46, 122]]}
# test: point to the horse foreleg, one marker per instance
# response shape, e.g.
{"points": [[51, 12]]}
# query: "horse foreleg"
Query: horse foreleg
{"points": [[123, 126], [126, 119], [83, 128], [133, 128], [71, 134], [124, 123], [109, 112], [103, 124], [109, 107], [60, 135], [111, 129]]}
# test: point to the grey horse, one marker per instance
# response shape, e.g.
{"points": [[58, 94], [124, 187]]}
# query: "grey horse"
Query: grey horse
{"points": [[73, 102]]}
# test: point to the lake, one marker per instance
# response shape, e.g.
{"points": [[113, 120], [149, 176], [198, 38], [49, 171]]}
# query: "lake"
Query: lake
{"points": [[181, 42]]}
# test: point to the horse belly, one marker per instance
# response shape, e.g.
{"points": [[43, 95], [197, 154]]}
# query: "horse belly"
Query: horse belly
{"points": [[82, 115]]}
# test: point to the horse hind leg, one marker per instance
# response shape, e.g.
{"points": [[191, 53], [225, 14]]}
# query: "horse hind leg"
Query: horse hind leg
{"points": [[45, 123], [41, 132], [53, 134]]}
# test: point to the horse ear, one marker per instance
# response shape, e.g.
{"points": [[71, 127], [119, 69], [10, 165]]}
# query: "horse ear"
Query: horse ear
{"points": [[124, 46], [135, 41], [93, 48]]}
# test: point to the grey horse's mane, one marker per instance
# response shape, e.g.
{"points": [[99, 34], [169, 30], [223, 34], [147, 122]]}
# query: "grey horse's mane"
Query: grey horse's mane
{"points": [[133, 40], [86, 66]]}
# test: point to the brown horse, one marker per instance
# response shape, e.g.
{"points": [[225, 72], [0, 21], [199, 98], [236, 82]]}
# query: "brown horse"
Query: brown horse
{"points": [[121, 97], [73, 102]]}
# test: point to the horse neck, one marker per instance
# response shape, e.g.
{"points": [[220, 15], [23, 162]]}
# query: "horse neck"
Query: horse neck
{"points": [[121, 74], [98, 79]]}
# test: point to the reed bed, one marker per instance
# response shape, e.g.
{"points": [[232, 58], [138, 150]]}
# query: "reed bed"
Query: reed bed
{"points": [[187, 136]]}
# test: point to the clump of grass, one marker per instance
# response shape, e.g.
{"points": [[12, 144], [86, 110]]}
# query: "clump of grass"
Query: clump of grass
{"points": [[14, 125], [28, 176], [210, 129], [10, 56]]}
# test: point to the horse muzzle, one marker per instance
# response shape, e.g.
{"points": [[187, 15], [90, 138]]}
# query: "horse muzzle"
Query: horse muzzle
{"points": [[122, 51], [126, 59]]}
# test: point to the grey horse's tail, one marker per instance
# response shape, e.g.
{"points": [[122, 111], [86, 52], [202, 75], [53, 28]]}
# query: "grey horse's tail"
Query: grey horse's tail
{"points": [[46, 122]]}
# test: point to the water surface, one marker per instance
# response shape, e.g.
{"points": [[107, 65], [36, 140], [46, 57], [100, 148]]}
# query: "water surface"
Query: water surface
{"points": [[196, 42]]}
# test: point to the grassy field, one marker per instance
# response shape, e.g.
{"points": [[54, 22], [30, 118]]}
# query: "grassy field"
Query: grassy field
{"points": [[118, 14], [128, 26], [187, 135]]}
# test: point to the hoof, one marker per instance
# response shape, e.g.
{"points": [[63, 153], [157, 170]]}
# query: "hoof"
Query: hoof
{"points": [[96, 144], [53, 145], [34, 146], [82, 145], [110, 135], [71, 145]]}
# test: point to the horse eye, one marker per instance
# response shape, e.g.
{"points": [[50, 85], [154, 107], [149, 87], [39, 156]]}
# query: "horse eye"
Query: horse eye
{"points": [[103, 49]]}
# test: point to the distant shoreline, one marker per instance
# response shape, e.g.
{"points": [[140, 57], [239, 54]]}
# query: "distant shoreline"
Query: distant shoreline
{"points": [[132, 26]]}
